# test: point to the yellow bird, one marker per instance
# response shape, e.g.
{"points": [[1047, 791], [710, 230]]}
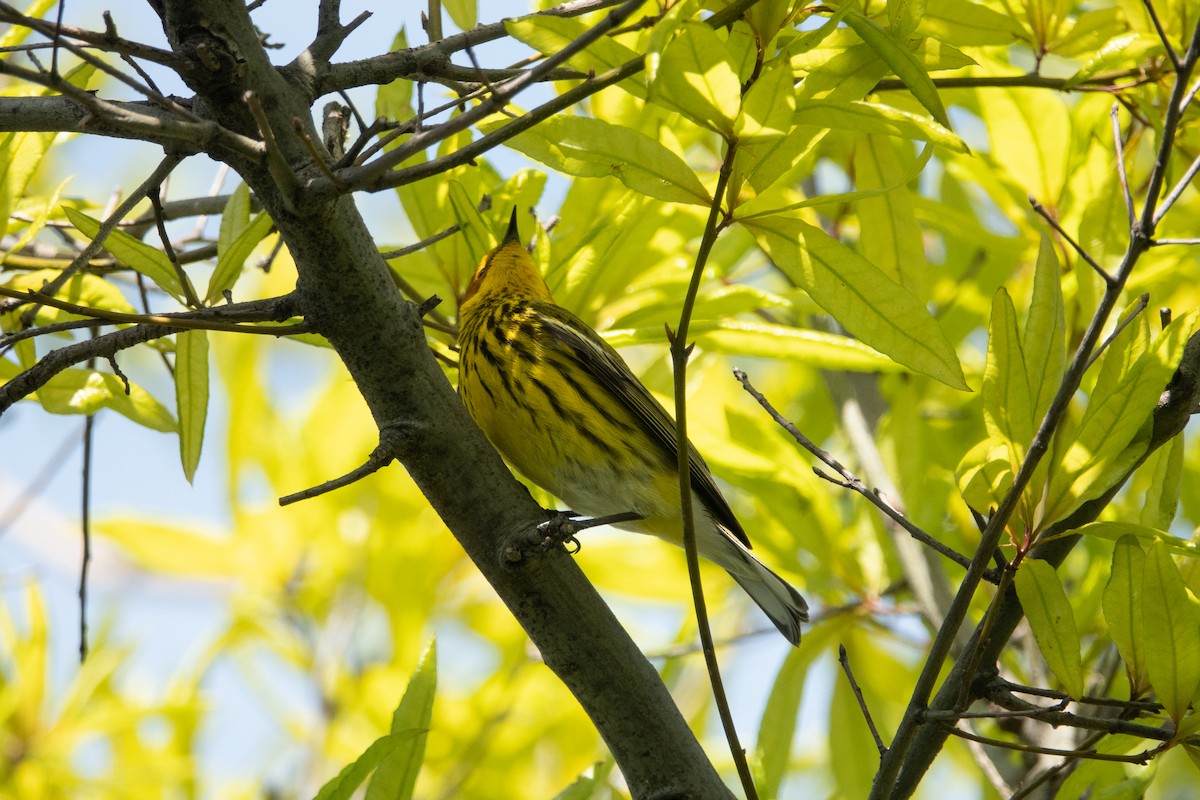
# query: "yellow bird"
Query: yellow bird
{"points": [[563, 407]]}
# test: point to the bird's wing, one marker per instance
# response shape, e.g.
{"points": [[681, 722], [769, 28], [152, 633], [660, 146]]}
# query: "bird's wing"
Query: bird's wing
{"points": [[608, 368]]}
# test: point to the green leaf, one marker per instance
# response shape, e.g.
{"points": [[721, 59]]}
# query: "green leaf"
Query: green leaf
{"points": [[876, 309], [1053, 624], [173, 550], [764, 340], [904, 16], [902, 62], [18, 33], [1170, 621], [985, 473], [396, 776], [81, 391], [475, 231], [591, 148], [149, 261], [1007, 408], [39, 212], [1030, 135], [1113, 433], [697, 78], [590, 787], [237, 239], [778, 726], [1043, 341], [966, 24], [346, 783], [465, 13], [90, 291], [770, 105], [191, 395], [1122, 604], [394, 100], [889, 235], [1162, 498], [865, 117], [1114, 531]]}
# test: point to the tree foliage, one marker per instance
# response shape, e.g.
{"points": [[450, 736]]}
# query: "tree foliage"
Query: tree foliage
{"points": [[915, 244]]}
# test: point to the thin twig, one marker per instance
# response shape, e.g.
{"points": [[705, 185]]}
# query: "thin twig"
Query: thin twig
{"points": [[409, 249], [680, 352], [189, 292], [1162, 242], [1119, 152], [1084, 254], [1142, 303], [1162, 35], [852, 482], [499, 98], [278, 166], [844, 660], [207, 318], [1177, 190], [383, 454], [86, 529], [1136, 758]]}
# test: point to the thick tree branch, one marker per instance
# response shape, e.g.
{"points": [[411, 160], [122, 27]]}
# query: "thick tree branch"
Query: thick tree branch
{"points": [[346, 293]]}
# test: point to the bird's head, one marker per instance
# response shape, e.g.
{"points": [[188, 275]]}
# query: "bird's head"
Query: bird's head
{"points": [[507, 270]]}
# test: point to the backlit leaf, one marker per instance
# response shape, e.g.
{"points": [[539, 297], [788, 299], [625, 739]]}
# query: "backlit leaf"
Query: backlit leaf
{"points": [[587, 147], [191, 395], [1170, 623], [870, 305], [1053, 624]]}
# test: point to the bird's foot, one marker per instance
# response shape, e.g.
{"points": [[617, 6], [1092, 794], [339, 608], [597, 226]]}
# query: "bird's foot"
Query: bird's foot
{"points": [[559, 529]]}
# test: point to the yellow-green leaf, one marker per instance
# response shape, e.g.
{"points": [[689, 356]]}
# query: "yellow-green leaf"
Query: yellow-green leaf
{"points": [[764, 340], [81, 391], [697, 78], [478, 235], [396, 775], [1007, 408], [234, 246], [865, 117], [904, 16], [1162, 498], [1171, 623], [191, 395], [901, 60], [1030, 135], [465, 13], [173, 549], [985, 474], [1114, 531], [965, 24], [1053, 624], [873, 307], [889, 234], [590, 148], [149, 261], [769, 106], [1122, 604], [1043, 341]]}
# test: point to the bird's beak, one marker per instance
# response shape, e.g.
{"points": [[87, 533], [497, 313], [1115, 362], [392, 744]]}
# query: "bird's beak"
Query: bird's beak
{"points": [[513, 235]]}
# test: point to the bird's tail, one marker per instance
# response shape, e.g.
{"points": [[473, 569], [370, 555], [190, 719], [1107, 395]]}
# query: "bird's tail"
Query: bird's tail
{"points": [[778, 599]]}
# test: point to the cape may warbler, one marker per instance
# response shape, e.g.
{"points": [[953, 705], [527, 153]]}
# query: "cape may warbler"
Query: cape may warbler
{"points": [[562, 406]]}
